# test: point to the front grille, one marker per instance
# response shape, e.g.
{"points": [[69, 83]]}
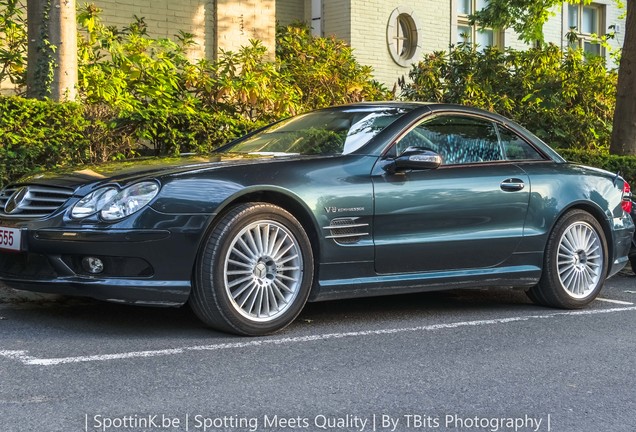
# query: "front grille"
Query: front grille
{"points": [[31, 201]]}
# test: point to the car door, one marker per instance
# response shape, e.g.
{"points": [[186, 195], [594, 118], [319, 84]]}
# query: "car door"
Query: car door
{"points": [[467, 214]]}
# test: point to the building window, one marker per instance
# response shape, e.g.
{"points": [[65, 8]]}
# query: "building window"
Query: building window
{"points": [[403, 36], [316, 18], [586, 22], [479, 37]]}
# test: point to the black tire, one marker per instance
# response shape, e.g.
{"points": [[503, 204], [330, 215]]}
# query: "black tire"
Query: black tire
{"points": [[573, 279], [246, 280], [632, 261]]}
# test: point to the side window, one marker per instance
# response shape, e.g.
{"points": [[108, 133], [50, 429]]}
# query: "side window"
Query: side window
{"points": [[417, 137], [457, 139], [516, 148]]}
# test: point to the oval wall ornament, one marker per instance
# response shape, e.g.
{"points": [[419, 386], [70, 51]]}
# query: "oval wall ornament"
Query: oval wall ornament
{"points": [[403, 36]]}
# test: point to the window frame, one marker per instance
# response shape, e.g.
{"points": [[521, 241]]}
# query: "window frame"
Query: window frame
{"points": [[463, 20], [587, 38], [316, 18]]}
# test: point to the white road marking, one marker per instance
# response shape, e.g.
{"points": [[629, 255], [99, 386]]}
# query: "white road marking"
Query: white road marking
{"points": [[25, 358], [620, 302]]}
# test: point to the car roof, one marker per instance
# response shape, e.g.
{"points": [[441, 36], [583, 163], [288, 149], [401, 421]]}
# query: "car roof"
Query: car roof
{"points": [[430, 106]]}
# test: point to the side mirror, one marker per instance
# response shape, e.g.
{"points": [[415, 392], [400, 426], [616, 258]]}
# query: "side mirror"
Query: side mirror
{"points": [[414, 159]]}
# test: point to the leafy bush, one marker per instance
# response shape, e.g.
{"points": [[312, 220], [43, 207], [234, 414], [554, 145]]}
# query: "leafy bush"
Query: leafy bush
{"points": [[131, 71], [40, 134], [13, 41], [127, 69], [172, 132], [625, 165], [323, 70], [565, 98]]}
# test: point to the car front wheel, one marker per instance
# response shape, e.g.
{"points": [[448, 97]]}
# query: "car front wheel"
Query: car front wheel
{"points": [[575, 263], [255, 271]]}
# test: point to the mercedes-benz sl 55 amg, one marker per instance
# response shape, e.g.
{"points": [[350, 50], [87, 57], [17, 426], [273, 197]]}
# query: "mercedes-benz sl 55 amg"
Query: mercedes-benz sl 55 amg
{"points": [[358, 200]]}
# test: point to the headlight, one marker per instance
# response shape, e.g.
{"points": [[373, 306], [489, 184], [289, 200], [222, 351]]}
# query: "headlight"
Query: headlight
{"points": [[93, 202], [129, 200]]}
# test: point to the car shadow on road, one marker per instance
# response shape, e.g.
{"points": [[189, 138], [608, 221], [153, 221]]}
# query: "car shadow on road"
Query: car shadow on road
{"points": [[66, 315]]}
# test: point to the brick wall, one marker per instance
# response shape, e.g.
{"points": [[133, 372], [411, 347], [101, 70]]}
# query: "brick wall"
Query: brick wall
{"points": [[337, 20], [242, 20], [368, 34], [165, 18], [288, 11], [238, 21]]}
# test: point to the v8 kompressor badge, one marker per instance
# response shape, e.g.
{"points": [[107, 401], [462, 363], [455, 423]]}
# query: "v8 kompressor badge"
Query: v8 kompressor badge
{"points": [[343, 209]]}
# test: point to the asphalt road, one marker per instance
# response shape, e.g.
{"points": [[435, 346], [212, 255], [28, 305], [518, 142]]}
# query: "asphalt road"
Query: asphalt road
{"points": [[484, 360]]}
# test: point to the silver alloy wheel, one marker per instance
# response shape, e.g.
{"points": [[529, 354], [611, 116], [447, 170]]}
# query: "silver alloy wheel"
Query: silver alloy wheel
{"points": [[263, 270], [580, 259]]}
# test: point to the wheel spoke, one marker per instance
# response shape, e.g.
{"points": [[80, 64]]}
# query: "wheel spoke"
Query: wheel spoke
{"points": [[272, 241], [251, 242], [242, 289], [239, 272], [256, 294], [569, 243], [241, 255], [289, 278], [282, 254], [250, 294], [266, 234], [277, 246], [246, 248], [282, 286], [264, 309], [279, 295], [284, 269], [283, 261], [239, 281], [259, 239], [273, 301], [240, 264]]}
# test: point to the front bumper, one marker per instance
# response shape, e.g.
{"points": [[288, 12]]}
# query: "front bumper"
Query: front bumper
{"points": [[141, 266]]}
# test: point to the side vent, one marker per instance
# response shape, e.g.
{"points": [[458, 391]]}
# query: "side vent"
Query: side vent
{"points": [[346, 230]]}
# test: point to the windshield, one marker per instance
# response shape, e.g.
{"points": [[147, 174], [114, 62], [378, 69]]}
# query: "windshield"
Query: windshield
{"points": [[325, 132]]}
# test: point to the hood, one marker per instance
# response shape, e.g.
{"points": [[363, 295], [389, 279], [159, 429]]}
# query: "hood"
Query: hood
{"points": [[132, 170]]}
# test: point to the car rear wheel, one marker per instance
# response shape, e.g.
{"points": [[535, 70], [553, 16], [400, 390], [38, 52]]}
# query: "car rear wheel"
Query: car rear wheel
{"points": [[575, 263], [255, 271]]}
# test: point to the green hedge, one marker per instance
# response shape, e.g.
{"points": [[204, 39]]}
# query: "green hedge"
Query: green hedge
{"points": [[564, 97], [37, 134], [625, 165], [41, 135]]}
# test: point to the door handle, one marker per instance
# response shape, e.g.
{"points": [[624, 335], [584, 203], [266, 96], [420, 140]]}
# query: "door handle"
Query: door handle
{"points": [[512, 185]]}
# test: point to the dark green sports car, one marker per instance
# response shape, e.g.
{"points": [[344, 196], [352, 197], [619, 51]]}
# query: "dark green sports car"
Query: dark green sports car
{"points": [[352, 201]]}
